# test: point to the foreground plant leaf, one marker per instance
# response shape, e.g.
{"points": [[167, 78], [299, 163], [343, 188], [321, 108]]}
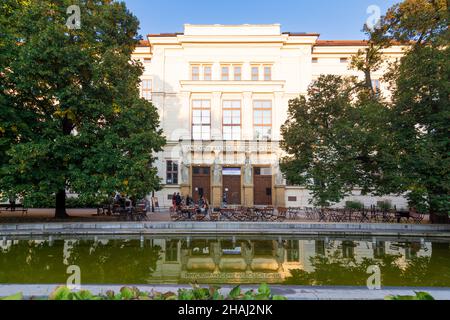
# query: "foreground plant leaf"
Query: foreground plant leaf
{"points": [[14, 297]]}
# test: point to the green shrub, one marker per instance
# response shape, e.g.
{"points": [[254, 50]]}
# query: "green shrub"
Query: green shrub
{"points": [[48, 201], [356, 205], [39, 200], [127, 293], [384, 205], [418, 296]]}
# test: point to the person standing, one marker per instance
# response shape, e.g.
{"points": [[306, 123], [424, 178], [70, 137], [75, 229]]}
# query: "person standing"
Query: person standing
{"points": [[174, 201], [178, 200], [12, 202]]}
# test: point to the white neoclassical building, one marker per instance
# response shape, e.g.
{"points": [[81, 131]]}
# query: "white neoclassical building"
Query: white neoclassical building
{"points": [[222, 92]]}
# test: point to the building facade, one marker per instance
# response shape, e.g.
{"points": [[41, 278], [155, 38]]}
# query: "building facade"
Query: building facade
{"points": [[222, 93]]}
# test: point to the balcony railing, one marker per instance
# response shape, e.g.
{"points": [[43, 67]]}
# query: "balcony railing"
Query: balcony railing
{"points": [[240, 146]]}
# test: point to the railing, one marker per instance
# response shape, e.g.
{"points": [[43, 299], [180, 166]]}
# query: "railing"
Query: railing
{"points": [[252, 146]]}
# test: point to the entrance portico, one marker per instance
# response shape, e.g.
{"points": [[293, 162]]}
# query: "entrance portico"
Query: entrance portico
{"points": [[232, 172]]}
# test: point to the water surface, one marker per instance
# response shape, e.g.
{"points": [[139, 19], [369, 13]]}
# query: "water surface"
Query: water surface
{"points": [[226, 260]]}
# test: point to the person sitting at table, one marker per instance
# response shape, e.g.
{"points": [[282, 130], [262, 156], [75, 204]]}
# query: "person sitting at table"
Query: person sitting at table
{"points": [[128, 205], [122, 201], [12, 202], [203, 206], [174, 201], [189, 201], [178, 200]]}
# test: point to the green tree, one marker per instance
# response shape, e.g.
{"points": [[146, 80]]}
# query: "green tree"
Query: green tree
{"points": [[330, 139], [73, 119], [335, 141], [9, 119], [420, 106]]}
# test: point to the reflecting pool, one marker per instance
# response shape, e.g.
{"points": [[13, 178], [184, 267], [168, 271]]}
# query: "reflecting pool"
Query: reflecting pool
{"points": [[226, 260]]}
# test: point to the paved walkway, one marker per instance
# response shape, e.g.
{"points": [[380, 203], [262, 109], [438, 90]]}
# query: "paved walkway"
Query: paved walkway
{"points": [[76, 215], [90, 215], [40, 222], [152, 228], [291, 292]]}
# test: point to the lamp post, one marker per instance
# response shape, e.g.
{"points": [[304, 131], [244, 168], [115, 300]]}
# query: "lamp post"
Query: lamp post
{"points": [[153, 204]]}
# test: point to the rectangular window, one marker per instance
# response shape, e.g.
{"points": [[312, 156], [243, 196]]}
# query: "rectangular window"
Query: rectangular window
{"points": [[195, 73], [263, 171], [231, 171], [320, 247], [293, 251], [232, 120], [262, 119], [225, 73], [315, 60], [348, 249], [344, 60], [237, 73], [255, 73], [379, 250], [171, 251], [172, 172], [207, 76], [146, 89], [267, 73], [201, 119]]}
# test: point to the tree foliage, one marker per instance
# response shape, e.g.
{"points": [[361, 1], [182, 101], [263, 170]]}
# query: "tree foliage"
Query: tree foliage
{"points": [[331, 144], [71, 115], [420, 106], [336, 141]]}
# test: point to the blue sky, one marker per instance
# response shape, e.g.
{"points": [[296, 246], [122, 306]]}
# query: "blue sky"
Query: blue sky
{"points": [[333, 19]]}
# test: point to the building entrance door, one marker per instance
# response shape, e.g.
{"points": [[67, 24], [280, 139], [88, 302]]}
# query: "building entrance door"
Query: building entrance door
{"points": [[231, 186], [201, 183], [262, 186]]}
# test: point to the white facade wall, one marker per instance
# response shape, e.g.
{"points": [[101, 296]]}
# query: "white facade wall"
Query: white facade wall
{"points": [[168, 59]]}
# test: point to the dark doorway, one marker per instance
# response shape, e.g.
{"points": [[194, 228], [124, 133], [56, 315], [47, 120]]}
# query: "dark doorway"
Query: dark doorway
{"points": [[201, 183], [262, 186], [232, 186]]}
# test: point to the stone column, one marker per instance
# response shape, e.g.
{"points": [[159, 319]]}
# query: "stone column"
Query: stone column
{"points": [[185, 170], [248, 182], [217, 255], [216, 116], [278, 116], [247, 116], [279, 184], [217, 183], [182, 129], [247, 253]]}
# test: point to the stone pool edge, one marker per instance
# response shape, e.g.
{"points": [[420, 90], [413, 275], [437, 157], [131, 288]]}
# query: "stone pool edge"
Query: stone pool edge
{"points": [[212, 228], [290, 292]]}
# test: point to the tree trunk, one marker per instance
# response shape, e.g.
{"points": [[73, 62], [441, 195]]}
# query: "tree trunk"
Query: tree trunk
{"points": [[368, 79], [438, 215], [437, 218], [60, 211]]}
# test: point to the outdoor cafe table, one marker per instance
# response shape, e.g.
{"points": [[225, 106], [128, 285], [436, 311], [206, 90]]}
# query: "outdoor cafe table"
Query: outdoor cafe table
{"points": [[187, 212], [402, 215]]}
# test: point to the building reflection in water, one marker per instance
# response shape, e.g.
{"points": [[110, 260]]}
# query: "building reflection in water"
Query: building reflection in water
{"points": [[255, 261], [226, 260]]}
